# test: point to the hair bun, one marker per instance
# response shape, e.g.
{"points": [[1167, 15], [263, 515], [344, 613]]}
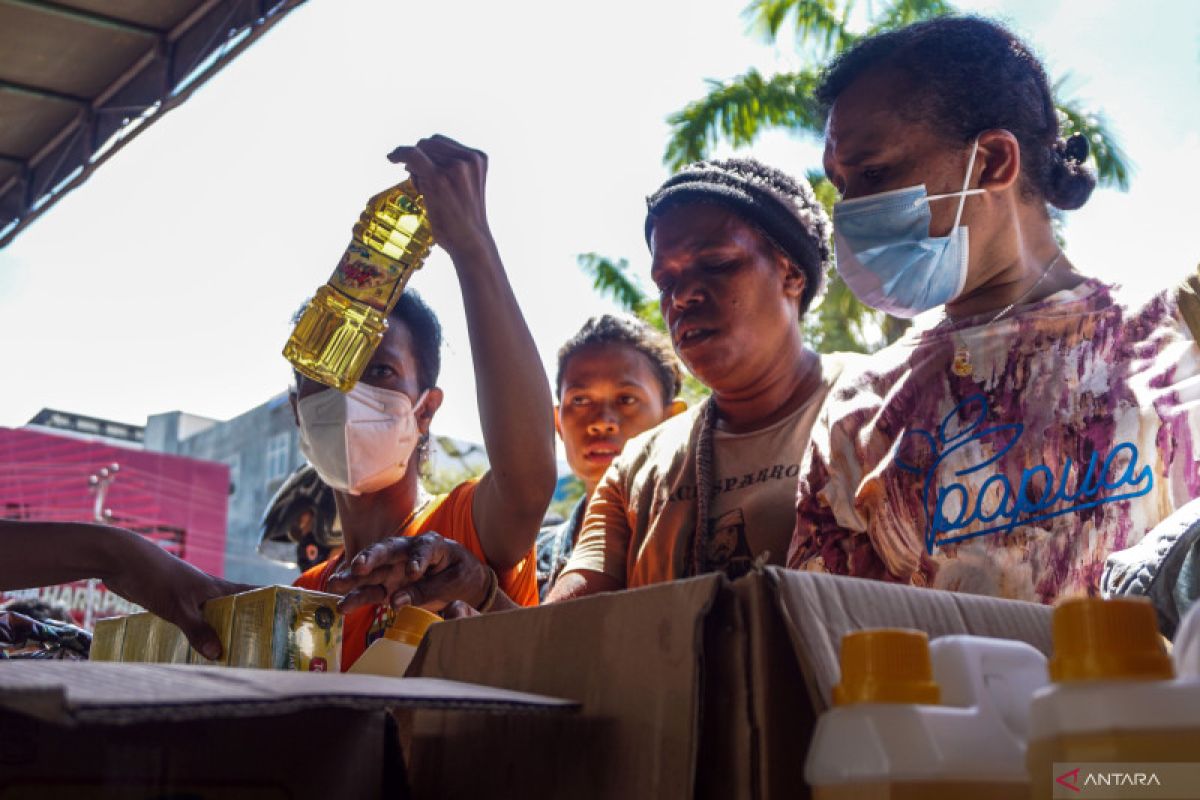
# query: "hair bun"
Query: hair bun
{"points": [[1070, 182], [1075, 148]]}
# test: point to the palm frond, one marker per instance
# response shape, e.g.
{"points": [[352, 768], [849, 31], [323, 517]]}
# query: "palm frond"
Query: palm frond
{"points": [[737, 111], [814, 21], [612, 279], [1113, 167], [906, 12], [823, 188]]}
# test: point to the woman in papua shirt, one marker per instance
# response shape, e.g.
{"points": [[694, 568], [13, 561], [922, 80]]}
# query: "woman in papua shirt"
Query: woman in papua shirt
{"points": [[1036, 420]]}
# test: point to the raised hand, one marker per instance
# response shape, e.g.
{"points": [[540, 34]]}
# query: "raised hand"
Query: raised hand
{"points": [[452, 178]]}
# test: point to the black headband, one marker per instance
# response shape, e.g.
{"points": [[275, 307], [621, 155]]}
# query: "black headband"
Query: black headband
{"points": [[739, 185]]}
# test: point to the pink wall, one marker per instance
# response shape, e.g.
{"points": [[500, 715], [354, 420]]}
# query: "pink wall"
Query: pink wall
{"points": [[44, 476]]}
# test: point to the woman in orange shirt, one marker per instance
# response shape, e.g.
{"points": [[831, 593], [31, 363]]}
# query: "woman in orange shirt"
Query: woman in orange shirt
{"points": [[368, 443]]}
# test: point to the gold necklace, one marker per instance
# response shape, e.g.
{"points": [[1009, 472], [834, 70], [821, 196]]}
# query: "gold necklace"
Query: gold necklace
{"points": [[961, 365]]}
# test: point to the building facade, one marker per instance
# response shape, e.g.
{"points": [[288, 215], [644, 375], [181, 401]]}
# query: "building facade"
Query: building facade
{"points": [[261, 449], [69, 468]]}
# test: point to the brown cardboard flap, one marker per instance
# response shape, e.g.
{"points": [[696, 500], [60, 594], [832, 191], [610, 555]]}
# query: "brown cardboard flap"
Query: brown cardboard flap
{"points": [[74, 692], [779, 714], [633, 659], [819, 609]]}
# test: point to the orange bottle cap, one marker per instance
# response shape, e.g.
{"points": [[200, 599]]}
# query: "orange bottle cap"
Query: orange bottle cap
{"points": [[410, 625], [1117, 639], [886, 665]]}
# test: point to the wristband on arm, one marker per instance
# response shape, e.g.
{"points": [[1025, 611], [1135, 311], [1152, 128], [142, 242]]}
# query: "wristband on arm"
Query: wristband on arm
{"points": [[489, 597]]}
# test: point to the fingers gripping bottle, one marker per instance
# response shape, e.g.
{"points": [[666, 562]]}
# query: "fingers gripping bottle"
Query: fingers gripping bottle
{"points": [[920, 721], [1115, 714], [344, 323]]}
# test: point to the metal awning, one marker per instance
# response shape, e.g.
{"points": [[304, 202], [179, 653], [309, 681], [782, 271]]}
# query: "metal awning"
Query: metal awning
{"points": [[81, 78]]}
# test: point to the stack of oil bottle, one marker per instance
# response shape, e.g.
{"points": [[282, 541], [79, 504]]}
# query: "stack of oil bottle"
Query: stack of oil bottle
{"points": [[966, 716]]}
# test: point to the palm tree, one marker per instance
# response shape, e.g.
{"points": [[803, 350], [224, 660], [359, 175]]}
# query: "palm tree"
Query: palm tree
{"points": [[737, 111]]}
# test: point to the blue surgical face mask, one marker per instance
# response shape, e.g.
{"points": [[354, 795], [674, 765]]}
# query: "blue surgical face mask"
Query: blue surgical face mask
{"points": [[887, 257]]}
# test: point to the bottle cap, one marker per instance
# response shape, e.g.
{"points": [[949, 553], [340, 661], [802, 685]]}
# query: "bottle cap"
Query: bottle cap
{"points": [[1104, 640], [886, 665], [410, 625]]}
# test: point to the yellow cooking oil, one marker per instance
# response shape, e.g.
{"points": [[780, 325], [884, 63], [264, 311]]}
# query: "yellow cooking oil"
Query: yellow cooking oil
{"points": [[342, 325], [1115, 713], [107, 639], [282, 627], [171, 646], [218, 613], [140, 642]]}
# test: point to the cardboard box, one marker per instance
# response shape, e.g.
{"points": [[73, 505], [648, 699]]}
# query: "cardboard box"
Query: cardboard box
{"points": [[280, 627], [103, 730], [693, 688], [107, 638]]}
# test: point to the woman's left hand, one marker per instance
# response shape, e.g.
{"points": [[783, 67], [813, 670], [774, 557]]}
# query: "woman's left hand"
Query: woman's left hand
{"points": [[429, 571], [452, 178]]}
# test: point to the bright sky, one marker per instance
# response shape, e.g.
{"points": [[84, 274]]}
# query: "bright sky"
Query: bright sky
{"points": [[167, 281]]}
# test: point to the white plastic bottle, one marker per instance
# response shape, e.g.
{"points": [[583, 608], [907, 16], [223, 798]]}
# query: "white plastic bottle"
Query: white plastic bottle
{"points": [[1115, 714], [391, 654], [942, 721]]}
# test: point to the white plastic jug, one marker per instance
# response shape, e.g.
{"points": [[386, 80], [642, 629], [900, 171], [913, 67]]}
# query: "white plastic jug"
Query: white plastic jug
{"points": [[391, 654], [1115, 714], [891, 736]]}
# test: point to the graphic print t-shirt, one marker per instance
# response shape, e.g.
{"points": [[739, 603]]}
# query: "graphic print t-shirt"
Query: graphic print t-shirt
{"points": [[1078, 431], [642, 516]]}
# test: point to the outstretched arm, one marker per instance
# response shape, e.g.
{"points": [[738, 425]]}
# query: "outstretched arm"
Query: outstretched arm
{"points": [[582, 583], [48, 553], [515, 407]]}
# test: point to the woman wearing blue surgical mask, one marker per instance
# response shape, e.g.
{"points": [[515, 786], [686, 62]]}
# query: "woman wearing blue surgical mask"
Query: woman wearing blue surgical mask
{"points": [[1035, 420], [368, 443]]}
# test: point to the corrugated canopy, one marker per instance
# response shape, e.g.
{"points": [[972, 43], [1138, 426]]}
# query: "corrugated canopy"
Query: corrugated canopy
{"points": [[80, 78]]}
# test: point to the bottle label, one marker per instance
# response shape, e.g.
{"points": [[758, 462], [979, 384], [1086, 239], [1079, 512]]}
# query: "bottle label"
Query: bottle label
{"points": [[367, 276]]}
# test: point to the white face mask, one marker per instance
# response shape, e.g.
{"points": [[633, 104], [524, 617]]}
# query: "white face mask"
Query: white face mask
{"points": [[361, 441]]}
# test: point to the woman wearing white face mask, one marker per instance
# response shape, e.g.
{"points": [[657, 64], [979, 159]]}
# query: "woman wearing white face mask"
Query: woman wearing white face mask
{"points": [[367, 444], [1037, 419]]}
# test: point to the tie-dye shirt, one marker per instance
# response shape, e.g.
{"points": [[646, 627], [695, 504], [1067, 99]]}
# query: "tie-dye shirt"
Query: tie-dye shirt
{"points": [[1076, 433]]}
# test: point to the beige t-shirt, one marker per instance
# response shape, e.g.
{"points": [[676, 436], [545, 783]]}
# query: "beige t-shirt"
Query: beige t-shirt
{"points": [[640, 522]]}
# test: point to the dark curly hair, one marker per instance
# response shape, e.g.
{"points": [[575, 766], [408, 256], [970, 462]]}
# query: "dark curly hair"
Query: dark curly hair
{"points": [[426, 330], [966, 75], [784, 209], [611, 329]]}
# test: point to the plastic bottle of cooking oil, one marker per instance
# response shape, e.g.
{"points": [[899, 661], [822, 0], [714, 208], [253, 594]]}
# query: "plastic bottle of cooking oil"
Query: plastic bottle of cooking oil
{"points": [[344, 323], [940, 721], [1115, 714], [391, 654]]}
